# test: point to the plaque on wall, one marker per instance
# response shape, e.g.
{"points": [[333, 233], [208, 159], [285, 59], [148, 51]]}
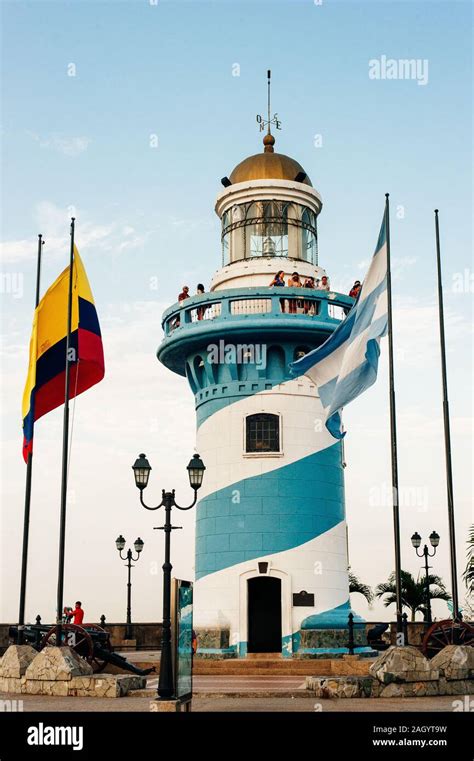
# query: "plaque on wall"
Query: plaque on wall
{"points": [[303, 598]]}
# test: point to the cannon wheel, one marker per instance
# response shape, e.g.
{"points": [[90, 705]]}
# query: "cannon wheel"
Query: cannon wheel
{"points": [[97, 663], [73, 635], [447, 632]]}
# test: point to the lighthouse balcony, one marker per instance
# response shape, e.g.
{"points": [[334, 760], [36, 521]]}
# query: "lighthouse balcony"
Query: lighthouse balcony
{"points": [[260, 314]]}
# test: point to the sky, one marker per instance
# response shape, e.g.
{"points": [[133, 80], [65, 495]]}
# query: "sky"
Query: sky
{"points": [[126, 114]]}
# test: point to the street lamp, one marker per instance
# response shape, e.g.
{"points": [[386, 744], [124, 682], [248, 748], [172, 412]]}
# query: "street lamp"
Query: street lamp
{"points": [[141, 470], [416, 542], [138, 545]]}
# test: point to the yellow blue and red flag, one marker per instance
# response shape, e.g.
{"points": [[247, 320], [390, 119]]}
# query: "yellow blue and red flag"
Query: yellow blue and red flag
{"points": [[45, 384]]}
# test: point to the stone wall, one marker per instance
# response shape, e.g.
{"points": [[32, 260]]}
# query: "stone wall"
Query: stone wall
{"points": [[147, 636], [416, 632], [59, 671], [404, 672]]}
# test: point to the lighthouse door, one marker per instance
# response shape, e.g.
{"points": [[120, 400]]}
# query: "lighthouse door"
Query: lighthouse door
{"points": [[264, 615]]}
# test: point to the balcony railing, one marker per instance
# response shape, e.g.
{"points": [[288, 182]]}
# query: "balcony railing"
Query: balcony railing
{"points": [[240, 303]]}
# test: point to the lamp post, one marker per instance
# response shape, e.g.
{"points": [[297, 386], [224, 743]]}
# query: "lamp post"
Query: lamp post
{"points": [[141, 469], [416, 542], [120, 544]]}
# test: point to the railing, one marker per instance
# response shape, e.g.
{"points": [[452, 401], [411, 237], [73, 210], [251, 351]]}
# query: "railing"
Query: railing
{"points": [[207, 312], [250, 306], [239, 303]]}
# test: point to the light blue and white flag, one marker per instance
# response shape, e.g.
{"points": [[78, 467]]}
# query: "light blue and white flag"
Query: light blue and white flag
{"points": [[346, 364]]}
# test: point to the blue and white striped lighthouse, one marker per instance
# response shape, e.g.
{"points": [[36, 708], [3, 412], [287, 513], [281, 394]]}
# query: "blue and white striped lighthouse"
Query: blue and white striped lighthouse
{"points": [[271, 547]]}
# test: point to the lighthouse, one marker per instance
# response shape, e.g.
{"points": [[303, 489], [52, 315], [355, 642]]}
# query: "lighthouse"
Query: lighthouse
{"points": [[271, 564]]}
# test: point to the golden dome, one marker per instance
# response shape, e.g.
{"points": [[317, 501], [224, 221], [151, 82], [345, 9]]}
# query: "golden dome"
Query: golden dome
{"points": [[268, 166]]}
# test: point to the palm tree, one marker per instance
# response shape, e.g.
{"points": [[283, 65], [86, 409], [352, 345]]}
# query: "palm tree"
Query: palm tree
{"points": [[468, 574], [355, 585], [413, 592]]}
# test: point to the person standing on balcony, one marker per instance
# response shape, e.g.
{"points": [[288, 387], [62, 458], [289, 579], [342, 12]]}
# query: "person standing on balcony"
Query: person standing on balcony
{"points": [[279, 279], [184, 293], [200, 292], [324, 284], [294, 282], [354, 294], [181, 297], [355, 290], [279, 282], [308, 283]]}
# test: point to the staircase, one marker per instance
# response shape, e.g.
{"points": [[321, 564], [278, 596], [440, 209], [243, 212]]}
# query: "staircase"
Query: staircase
{"points": [[265, 664]]}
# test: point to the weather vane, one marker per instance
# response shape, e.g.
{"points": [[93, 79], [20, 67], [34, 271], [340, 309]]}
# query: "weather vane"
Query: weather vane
{"points": [[267, 122]]}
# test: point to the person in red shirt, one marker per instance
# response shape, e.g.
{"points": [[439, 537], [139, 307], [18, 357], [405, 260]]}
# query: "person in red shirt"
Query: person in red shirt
{"points": [[355, 290], [78, 615], [184, 293]]}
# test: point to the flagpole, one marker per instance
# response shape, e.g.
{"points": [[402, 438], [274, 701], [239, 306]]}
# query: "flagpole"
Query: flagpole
{"points": [[393, 437], [447, 431], [62, 525], [29, 476]]}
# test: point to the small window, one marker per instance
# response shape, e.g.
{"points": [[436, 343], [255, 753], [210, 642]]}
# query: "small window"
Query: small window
{"points": [[262, 433]]}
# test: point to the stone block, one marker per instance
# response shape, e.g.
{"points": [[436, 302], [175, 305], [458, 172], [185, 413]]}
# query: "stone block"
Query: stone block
{"points": [[94, 685], [16, 660], [401, 665], [456, 687], [340, 687], [81, 686], [12, 684], [57, 663], [107, 686], [130, 682], [34, 687], [59, 688], [409, 689], [392, 691], [455, 662]]}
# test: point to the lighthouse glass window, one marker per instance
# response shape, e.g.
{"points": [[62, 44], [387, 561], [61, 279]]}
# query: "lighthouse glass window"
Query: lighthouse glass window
{"points": [[267, 229], [262, 433]]}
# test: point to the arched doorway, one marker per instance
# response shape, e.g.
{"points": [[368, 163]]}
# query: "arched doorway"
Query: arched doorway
{"points": [[264, 615]]}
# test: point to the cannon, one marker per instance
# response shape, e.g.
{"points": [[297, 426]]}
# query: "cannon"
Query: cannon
{"points": [[374, 636], [89, 641]]}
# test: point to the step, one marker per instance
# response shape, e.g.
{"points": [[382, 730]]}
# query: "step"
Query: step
{"points": [[264, 656]]}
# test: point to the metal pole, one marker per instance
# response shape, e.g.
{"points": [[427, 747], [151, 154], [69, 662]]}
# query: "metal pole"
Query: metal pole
{"points": [[128, 634], [393, 436], [427, 585], [62, 525], [447, 433], [165, 685], [29, 476], [269, 74]]}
